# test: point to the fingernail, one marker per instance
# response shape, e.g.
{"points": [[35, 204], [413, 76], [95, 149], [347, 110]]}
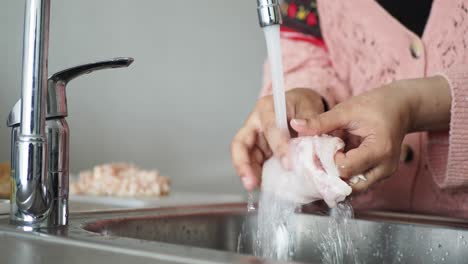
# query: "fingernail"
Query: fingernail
{"points": [[299, 122], [354, 180], [248, 182]]}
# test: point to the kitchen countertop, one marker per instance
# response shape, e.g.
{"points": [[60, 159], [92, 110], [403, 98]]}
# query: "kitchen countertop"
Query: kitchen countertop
{"points": [[17, 246], [85, 203]]}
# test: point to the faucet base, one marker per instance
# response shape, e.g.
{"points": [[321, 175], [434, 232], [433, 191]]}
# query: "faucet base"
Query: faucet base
{"points": [[56, 217]]}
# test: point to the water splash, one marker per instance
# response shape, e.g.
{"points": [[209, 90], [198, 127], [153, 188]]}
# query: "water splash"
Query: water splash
{"points": [[337, 246], [245, 233], [275, 237], [241, 239], [250, 202]]}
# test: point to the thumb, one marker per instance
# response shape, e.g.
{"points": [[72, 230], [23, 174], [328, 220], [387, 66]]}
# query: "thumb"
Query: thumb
{"points": [[322, 124], [357, 161]]}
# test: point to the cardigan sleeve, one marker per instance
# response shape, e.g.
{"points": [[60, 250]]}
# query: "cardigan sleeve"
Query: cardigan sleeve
{"points": [[448, 152]]}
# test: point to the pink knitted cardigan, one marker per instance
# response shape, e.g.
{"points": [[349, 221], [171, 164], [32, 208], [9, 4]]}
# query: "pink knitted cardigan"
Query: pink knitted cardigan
{"points": [[365, 48]]}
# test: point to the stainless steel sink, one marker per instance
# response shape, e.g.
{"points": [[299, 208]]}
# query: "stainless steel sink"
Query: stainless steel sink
{"points": [[376, 237], [210, 234]]}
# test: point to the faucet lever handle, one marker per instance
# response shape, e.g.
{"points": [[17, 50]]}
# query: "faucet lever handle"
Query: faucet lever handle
{"points": [[56, 94], [71, 73]]}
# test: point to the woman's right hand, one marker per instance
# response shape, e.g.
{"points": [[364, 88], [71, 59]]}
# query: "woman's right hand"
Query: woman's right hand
{"points": [[259, 138]]}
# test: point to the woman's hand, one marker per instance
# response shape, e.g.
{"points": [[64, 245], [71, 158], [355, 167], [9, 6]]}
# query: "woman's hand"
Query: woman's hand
{"points": [[259, 138], [380, 119]]}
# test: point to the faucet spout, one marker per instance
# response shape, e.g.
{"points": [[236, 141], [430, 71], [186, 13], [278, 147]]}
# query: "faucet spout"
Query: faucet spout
{"points": [[32, 184], [269, 12], [34, 75]]}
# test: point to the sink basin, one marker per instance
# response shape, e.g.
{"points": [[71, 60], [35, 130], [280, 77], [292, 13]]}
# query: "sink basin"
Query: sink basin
{"points": [[224, 233], [376, 237]]}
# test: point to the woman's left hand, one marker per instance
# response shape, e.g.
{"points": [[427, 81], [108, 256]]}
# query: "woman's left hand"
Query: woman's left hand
{"points": [[380, 119]]}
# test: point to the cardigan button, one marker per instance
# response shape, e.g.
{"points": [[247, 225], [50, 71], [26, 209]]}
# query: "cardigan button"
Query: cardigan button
{"points": [[406, 154], [416, 48]]}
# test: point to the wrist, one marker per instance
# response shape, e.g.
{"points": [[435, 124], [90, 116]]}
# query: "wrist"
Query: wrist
{"points": [[401, 100], [428, 102], [411, 103]]}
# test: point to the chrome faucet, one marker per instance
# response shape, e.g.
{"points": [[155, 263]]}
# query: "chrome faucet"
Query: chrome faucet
{"points": [[40, 134], [269, 12]]}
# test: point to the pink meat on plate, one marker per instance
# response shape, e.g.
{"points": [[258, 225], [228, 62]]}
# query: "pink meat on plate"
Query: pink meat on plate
{"points": [[314, 175]]}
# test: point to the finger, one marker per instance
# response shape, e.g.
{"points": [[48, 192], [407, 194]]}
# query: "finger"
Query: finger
{"points": [[306, 109], [250, 180], [277, 138], [372, 176], [241, 158], [357, 161], [263, 145], [321, 124], [257, 156], [241, 146], [258, 159], [254, 170]]}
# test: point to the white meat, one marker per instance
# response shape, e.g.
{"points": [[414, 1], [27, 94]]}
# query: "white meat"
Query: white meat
{"points": [[314, 175]]}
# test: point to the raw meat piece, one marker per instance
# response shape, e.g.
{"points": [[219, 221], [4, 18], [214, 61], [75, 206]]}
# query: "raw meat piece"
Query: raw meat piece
{"points": [[314, 175], [121, 179]]}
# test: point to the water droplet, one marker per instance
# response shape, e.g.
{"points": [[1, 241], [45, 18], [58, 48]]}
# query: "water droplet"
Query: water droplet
{"points": [[439, 246], [461, 237], [250, 202], [446, 253], [464, 242], [443, 259], [430, 249]]}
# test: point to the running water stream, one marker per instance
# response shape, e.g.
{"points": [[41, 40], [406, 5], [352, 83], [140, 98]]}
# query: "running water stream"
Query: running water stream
{"points": [[275, 236], [272, 38]]}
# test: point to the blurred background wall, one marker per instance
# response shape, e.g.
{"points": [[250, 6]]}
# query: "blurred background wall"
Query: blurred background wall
{"points": [[196, 76]]}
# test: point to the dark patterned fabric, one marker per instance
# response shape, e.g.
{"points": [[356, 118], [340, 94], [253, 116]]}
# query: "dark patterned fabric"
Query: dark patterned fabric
{"points": [[302, 15]]}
